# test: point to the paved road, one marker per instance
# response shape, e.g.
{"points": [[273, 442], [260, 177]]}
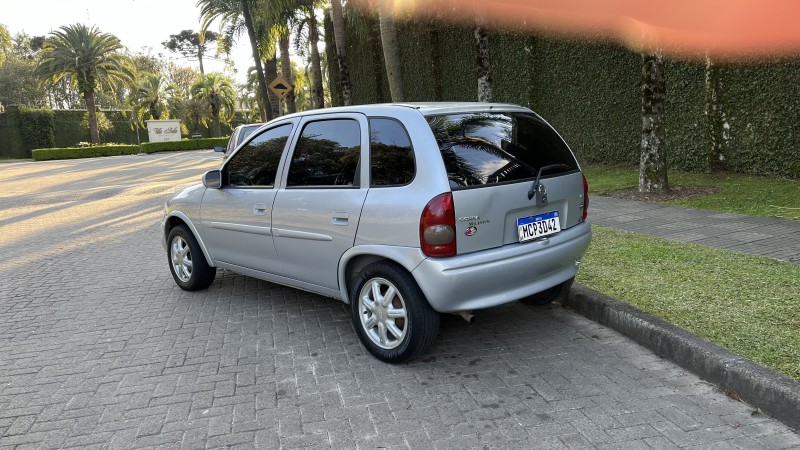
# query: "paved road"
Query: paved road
{"points": [[763, 236], [99, 348]]}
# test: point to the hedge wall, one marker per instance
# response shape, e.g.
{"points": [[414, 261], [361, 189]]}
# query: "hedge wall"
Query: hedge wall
{"points": [[22, 130], [185, 144], [590, 91], [47, 154]]}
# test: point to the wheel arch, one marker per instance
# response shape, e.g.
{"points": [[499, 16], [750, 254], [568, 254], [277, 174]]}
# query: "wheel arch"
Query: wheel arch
{"points": [[357, 258], [177, 218]]}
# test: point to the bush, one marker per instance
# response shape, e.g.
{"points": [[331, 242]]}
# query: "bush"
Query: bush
{"points": [[186, 144], [47, 154]]}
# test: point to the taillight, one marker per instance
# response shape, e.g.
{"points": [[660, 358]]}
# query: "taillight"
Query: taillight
{"points": [[437, 227], [585, 199]]}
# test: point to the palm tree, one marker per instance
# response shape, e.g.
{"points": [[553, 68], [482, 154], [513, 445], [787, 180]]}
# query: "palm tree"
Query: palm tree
{"points": [[216, 90], [286, 71], [337, 17], [304, 21], [234, 15], [653, 160], [87, 58], [391, 50], [484, 60], [149, 96]]}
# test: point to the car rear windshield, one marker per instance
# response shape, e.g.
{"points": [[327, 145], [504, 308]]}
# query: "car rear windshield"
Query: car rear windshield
{"points": [[482, 149]]}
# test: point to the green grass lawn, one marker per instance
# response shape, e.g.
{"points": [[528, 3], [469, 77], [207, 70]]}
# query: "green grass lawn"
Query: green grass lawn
{"points": [[748, 304], [757, 196]]}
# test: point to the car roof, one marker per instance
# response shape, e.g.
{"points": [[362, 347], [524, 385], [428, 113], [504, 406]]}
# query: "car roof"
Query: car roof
{"points": [[425, 108]]}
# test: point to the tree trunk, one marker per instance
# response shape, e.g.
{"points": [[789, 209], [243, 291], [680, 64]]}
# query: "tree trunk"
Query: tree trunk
{"points": [[436, 57], [317, 93], [286, 72], [391, 51], [483, 61], [716, 122], [94, 134], [530, 63], [216, 129], [271, 72], [263, 98], [653, 163], [378, 64], [341, 50], [200, 59]]}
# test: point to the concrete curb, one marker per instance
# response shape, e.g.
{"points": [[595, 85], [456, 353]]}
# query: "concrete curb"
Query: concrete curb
{"points": [[772, 392]]}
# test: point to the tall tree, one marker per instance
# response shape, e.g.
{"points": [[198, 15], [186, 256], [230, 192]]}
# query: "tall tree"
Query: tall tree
{"points": [[218, 92], [337, 17], [6, 43], [191, 44], [286, 71], [304, 21], [391, 50], [149, 97], [653, 162], [715, 116], [87, 58], [235, 15], [483, 60]]}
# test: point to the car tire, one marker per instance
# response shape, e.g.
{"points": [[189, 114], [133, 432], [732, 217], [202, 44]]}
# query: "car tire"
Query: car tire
{"points": [[391, 316], [557, 292], [187, 263]]}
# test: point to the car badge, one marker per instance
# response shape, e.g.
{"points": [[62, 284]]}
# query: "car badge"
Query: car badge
{"points": [[471, 231]]}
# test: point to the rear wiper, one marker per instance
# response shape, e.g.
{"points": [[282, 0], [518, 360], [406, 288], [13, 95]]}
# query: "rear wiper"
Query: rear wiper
{"points": [[537, 187]]}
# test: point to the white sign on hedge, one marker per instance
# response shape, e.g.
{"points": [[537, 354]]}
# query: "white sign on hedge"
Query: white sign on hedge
{"points": [[164, 130]]}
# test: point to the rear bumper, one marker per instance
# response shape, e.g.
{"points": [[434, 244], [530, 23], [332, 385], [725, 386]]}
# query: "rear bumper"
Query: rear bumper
{"points": [[502, 275]]}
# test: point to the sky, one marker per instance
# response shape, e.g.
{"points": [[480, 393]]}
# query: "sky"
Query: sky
{"points": [[141, 25]]}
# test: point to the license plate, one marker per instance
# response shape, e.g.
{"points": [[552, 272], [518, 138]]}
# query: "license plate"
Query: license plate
{"points": [[534, 227]]}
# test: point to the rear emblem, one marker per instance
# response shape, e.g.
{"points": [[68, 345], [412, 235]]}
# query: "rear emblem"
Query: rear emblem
{"points": [[471, 231]]}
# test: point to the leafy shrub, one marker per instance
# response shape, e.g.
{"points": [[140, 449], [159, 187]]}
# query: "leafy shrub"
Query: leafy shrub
{"points": [[46, 154], [91, 151], [183, 145]]}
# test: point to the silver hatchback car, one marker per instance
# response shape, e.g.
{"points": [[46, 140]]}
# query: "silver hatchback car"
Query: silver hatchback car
{"points": [[402, 211]]}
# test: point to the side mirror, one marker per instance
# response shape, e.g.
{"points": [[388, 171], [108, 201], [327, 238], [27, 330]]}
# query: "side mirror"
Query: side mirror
{"points": [[219, 149], [212, 179]]}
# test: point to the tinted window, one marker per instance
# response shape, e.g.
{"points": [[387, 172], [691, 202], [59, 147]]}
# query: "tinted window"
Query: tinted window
{"points": [[327, 154], [489, 148], [244, 132], [256, 163], [391, 154]]}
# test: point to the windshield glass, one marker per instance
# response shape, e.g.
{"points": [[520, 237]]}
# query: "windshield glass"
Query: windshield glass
{"points": [[481, 149]]}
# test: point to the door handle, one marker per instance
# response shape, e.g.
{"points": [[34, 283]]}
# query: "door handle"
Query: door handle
{"points": [[260, 209], [340, 218]]}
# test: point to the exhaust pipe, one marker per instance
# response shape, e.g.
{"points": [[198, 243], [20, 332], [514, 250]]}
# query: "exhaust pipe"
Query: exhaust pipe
{"points": [[466, 315]]}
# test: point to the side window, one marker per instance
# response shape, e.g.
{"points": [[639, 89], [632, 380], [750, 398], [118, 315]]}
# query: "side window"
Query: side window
{"points": [[257, 163], [327, 154], [391, 154]]}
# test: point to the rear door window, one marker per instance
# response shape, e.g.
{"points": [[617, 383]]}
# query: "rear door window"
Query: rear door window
{"points": [[328, 153], [481, 149]]}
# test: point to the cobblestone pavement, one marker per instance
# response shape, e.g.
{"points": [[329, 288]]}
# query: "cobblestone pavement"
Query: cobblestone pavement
{"points": [[99, 348], [763, 236]]}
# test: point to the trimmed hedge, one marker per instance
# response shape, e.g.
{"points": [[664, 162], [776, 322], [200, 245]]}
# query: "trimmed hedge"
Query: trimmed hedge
{"points": [[590, 91], [47, 154], [183, 145]]}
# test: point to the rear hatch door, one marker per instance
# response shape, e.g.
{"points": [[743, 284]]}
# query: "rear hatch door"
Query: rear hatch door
{"points": [[512, 177]]}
